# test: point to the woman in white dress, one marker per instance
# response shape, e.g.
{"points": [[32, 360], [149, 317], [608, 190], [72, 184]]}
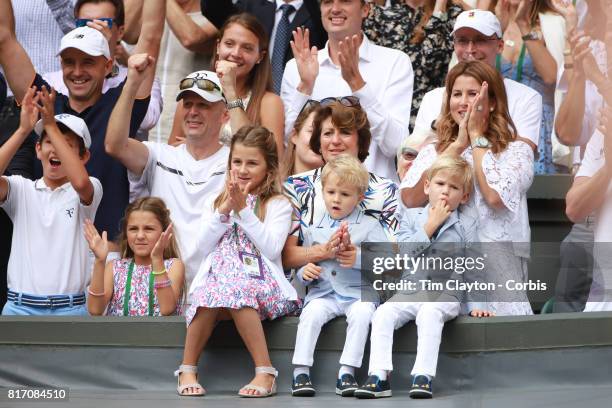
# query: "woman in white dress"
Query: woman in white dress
{"points": [[476, 125]]}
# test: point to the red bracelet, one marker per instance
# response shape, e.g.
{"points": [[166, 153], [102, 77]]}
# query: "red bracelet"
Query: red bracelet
{"points": [[163, 284]]}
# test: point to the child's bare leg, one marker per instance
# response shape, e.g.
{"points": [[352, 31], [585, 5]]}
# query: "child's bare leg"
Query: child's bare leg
{"points": [[250, 329], [198, 333]]}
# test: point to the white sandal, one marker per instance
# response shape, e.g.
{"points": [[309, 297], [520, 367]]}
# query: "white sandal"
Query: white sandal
{"points": [[262, 392], [184, 368]]}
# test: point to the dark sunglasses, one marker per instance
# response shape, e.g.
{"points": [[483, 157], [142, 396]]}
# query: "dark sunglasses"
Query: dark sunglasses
{"points": [[82, 22], [408, 153], [348, 101], [201, 83]]}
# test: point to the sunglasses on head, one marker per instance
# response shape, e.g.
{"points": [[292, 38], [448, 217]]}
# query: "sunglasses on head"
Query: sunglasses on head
{"points": [[82, 22], [201, 83], [348, 101]]}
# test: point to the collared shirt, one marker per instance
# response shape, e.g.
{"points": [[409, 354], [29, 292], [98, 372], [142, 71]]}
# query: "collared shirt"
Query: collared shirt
{"points": [[109, 171], [49, 250], [386, 97], [524, 106], [277, 17]]}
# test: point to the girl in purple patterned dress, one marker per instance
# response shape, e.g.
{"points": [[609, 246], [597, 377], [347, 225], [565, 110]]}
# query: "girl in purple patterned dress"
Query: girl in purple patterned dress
{"points": [[242, 277], [148, 280]]}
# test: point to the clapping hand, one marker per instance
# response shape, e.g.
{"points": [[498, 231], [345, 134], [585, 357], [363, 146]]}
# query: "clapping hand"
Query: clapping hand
{"points": [[478, 120], [157, 254], [98, 244], [47, 106], [238, 194], [347, 252], [306, 59], [29, 110], [348, 57]]}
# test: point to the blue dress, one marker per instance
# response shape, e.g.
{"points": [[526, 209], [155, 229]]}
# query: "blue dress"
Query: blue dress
{"points": [[543, 162]]}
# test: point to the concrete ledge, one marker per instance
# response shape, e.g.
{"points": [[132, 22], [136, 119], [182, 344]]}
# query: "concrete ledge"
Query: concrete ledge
{"points": [[464, 335]]}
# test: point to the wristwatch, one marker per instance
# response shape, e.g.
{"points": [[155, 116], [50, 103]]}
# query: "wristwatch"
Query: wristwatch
{"points": [[531, 36], [481, 141], [235, 104]]}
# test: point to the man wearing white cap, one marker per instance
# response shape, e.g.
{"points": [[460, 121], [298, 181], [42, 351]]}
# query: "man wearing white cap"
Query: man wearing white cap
{"points": [[477, 35], [47, 272], [85, 60], [184, 176]]}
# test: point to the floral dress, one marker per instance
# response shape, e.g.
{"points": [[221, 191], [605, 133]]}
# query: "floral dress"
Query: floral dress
{"points": [[305, 193], [139, 291], [393, 26], [230, 285]]}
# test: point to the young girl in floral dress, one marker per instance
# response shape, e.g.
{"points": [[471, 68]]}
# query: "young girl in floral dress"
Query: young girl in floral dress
{"points": [[243, 233], [148, 280]]}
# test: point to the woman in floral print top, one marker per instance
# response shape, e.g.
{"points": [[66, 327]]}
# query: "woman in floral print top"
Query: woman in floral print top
{"points": [[340, 127], [422, 29]]}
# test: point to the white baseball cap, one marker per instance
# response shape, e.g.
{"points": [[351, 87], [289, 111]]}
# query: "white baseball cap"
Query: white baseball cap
{"points": [[203, 83], [482, 21], [74, 123], [86, 39]]}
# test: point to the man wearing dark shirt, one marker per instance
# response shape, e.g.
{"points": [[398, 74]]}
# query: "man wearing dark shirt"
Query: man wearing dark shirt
{"points": [[85, 60]]}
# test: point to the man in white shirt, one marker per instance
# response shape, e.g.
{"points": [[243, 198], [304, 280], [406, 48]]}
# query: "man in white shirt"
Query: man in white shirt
{"points": [[184, 176], [350, 64], [477, 35], [592, 192]]}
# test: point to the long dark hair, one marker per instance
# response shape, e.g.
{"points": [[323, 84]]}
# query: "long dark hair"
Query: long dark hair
{"points": [[260, 77]]}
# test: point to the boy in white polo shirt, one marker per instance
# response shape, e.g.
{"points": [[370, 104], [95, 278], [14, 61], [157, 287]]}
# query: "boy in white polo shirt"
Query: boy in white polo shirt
{"points": [[46, 270]]}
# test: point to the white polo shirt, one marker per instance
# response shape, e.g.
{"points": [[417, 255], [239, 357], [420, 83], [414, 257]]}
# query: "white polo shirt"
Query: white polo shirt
{"points": [[524, 106], [593, 160], [184, 183], [386, 98], [49, 250]]}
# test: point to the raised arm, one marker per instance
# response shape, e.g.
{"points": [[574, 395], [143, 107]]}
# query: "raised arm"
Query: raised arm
{"points": [[15, 62], [153, 17], [132, 153], [29, 116], [72, 163], [195, 38]]}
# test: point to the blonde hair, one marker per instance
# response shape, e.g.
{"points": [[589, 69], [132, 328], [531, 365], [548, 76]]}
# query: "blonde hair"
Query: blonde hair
{"points": [[262, 139], [349, 170], [501, 130], [157, 207], [457, 166]]}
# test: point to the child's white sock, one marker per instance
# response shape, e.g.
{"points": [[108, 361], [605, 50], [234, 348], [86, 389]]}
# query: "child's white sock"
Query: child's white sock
{"points": [[301, 370], [381, 374], [344, 369]]}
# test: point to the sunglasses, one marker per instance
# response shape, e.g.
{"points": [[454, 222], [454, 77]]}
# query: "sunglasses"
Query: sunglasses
{"points": [[408, 153], [82, 22], [201, 83], [348, 101]]}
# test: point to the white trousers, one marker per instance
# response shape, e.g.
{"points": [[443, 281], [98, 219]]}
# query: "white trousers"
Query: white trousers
{"points": [[318, 312], [430, 318]]}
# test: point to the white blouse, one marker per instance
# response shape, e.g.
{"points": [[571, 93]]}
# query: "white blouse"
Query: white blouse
{"points": [[510, 174]]}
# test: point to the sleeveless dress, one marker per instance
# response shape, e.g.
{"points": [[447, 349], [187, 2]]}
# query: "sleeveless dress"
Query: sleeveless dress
{"points": [[544, 160], [139, 292], [229, 285]]}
